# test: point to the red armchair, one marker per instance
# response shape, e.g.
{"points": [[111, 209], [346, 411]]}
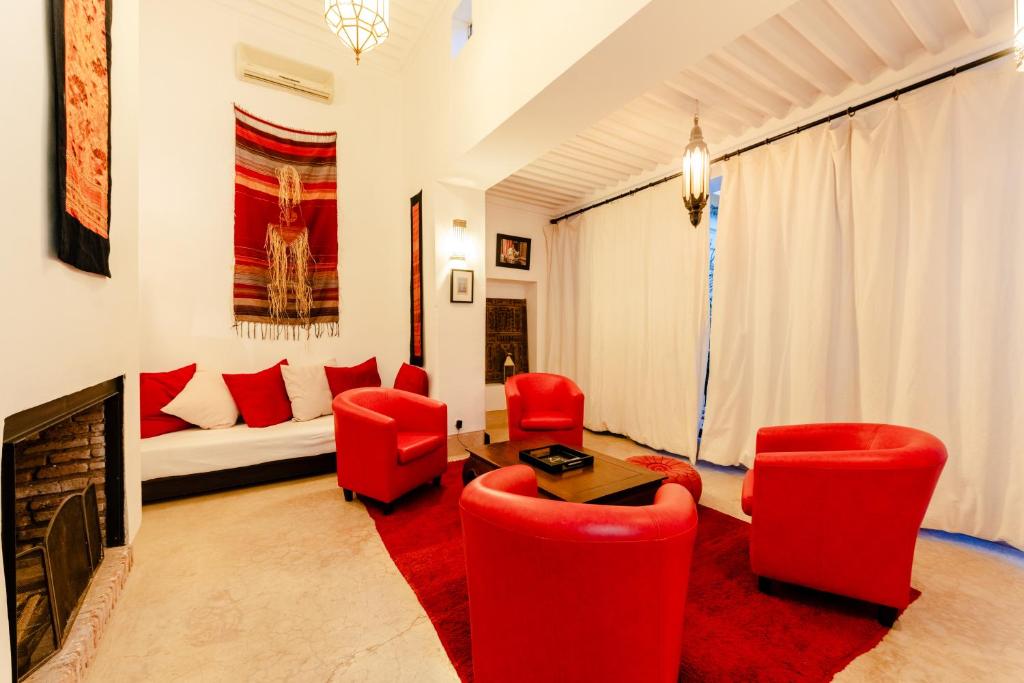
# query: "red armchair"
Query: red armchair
{"points": [[544, 405], [837, 507], [388, 442], [565, 592]]}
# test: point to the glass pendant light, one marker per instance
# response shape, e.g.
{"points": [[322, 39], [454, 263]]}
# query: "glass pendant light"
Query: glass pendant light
{"points": [[696, 172], [360, 24]]}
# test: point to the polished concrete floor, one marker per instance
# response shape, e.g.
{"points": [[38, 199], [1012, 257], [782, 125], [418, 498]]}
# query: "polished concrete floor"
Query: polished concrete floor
{"points": [[287, 582]]}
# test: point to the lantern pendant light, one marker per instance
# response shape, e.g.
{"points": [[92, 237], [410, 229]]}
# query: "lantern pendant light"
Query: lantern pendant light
{"points": [[1018, 35], [696, 169], [360, 24]]}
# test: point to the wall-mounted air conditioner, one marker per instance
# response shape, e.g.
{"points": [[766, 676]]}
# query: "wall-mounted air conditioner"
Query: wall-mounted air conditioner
{"points": [[254, 65]]}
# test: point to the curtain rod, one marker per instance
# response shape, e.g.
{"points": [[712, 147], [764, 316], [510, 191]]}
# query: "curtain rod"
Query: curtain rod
{"points": [[849, 111]]}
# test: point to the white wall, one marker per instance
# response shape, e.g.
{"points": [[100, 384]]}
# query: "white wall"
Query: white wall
{"points": [[65, 330], [187, 194], [512, 218]]}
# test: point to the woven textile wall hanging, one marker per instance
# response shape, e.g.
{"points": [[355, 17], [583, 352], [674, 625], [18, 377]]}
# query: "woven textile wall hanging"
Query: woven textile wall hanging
{"points": [[81, 62], [416, 281], [286, 230]]}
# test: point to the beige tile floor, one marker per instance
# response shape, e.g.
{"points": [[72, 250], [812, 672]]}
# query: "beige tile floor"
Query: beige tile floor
{"points": [[287, 582]]}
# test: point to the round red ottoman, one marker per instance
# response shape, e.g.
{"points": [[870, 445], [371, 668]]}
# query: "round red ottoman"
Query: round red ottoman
{"points": [[676, 471]]}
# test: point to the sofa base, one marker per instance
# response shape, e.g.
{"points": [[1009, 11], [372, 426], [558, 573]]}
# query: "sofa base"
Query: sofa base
{"points": [[166, 488]]}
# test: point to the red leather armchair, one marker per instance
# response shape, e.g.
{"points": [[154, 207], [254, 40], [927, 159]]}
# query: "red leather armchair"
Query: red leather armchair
{"points": [[837, 507], [388, 442], [566, 592], [544, 405]]}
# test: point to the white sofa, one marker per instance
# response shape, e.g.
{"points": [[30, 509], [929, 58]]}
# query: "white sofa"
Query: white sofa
{"points": [[198, 461]]}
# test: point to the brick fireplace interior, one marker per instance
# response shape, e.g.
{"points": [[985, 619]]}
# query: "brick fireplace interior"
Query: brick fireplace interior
{"points": [[63, 501]]}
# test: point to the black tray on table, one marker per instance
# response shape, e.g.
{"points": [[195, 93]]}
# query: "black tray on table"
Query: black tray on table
{"points": [[556, 458]]}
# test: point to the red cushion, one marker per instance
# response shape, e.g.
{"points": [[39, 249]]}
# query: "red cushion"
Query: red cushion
{"points": [[413, 445], [546, 420], [363, 375], [675, 470], [261, 397], [412, 378], [157, 389], [747, 499]]}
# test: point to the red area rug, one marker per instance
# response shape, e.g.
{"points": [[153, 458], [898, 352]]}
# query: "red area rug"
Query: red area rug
{"points": [[733, 632]]}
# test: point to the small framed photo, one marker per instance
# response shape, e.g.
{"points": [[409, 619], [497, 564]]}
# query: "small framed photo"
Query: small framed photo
{"points": [[462, 286], [513, 252]]}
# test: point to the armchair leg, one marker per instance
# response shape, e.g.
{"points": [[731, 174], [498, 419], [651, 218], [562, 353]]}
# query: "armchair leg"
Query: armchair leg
{"points": [[348, 495], [437, 481], [887, 615], [764, 584]]}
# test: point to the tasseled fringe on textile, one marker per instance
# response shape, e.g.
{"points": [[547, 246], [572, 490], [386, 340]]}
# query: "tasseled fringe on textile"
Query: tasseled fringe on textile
{"points": [[272, 331], [289, 270]]}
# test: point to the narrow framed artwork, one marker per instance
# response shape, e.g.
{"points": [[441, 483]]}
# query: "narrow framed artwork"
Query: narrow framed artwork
{"points": [[462, 286], [416, 355], [512, 252], [81, 62]]}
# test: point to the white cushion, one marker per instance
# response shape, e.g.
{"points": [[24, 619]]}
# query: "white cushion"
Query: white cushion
{"points": [[308, 390], [205, 402]]}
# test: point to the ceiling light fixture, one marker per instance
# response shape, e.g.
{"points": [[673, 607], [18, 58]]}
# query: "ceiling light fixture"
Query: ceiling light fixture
{"points": [[360, 24], [696, 172]]}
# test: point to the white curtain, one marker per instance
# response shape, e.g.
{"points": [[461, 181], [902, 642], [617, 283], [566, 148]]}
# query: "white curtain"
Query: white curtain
{"points": [[873, 270], [627, 315]]}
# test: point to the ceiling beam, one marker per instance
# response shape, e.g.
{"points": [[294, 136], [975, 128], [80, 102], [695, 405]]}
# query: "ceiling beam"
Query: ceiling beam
{"points": [[595, 140], [606, 162], [663, 149], [552, 158], [587, 175], [865, 23], [746, 89], [665, 125], [918, 19], [542, 186], [974, 17], [747, 56], [543, 175], [530, 187], [832, 37], [696, 87], [573, 160], [684, 106], [777, 39], [512, 195], [590, 150]]}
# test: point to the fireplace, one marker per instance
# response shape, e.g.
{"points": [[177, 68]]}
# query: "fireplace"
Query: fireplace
{"points": [[62, 480]]}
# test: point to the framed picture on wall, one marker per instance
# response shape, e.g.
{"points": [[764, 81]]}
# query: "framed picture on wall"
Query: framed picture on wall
{"points": [[513, 252], [462, 286]]}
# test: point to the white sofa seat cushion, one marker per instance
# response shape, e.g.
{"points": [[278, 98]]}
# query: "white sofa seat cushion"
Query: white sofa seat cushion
{"points": [[193, 451]]}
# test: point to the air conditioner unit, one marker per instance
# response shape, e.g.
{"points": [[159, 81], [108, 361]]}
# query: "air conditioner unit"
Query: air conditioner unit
{"points": [[254, 65]]}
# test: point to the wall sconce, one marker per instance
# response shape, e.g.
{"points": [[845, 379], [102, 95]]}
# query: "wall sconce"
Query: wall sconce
{"points": [[457, 237]]}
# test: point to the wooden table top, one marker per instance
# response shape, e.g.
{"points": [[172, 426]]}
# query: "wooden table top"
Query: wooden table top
{"points": [[607, 477]]}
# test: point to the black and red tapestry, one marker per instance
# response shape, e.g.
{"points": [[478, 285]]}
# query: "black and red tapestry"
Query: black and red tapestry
{"points": [[81, 58], [416, 281]]}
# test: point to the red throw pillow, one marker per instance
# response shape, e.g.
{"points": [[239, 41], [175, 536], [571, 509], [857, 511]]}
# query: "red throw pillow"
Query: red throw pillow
{"points": [[157, 389], [363, 375], [261, 397], [412, 378]]}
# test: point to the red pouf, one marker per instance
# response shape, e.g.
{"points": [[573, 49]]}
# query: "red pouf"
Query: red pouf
{"points": [[676, 472]]}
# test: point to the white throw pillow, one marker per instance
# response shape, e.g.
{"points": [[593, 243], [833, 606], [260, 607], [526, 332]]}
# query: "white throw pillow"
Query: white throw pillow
{"points": [[205, 402], [308, 390]]}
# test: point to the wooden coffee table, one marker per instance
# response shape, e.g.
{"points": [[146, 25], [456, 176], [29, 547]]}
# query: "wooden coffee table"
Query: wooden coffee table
{"points": [[609, 481]]}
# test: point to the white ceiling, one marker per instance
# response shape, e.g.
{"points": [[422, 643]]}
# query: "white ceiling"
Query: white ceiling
{"points": [[812, 57], [408, 20]]}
